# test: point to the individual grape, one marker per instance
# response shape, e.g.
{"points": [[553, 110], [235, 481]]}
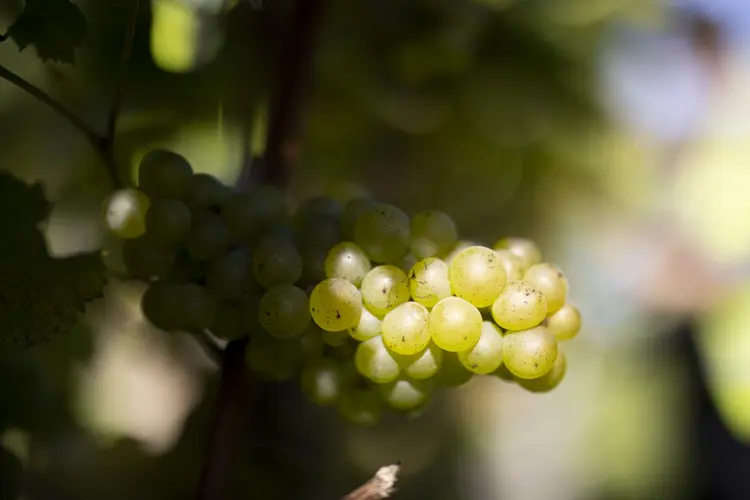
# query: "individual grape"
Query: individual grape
{"points": [[406, 262], [361, 407], [161, 305], [228, 322], [208, 236], [351, 213], [185, 269], [369, 326], [347, 261], [549, 380], [529, 353], [125, 213], [275, 262], [145, 260], [310, 345], [313, 264], [320, 232], [452, 373], [565, 323], [405, 394], [324, 380], [167, 221], [487, 354], [428, 281], [551, 281], [199, 308], [227, 275], [477, 276], [406, 330], [165, 174], [343, 352], [519, 306], [207, 192], [375, 362], [382, 231], [335, 339], [523, 248], [422, 365], [432, 233], [283, 311], [455, 324], [384, 288], [246, 214], [513, 264], [460, 247], [335, 304]]}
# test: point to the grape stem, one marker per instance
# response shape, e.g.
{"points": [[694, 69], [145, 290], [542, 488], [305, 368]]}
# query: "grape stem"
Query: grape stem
{"points": [[381, 485]]}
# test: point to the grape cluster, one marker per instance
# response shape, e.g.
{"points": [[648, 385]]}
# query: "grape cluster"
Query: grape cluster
{"points": [[367, 306]]}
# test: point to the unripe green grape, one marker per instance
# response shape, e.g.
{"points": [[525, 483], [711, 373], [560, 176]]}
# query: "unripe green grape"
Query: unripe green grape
{"points": [[432, 233], [275, 262], [168, 221], [324, 380], [227, 324], [565, 323], [382, 231], [384, 288], [519, 306], [455, 324], [351, 213], [161, 306], [208, 236], [369, 326], [422, 365], [549, 380], [317, 232], [487, 354], [199, 308], [335, 304], [405, 394], [146, 260], [165, 174], [227, 275], [207, 192], [246, 214], [335, 339], [523, 248], [551, 281], [429, 282], [529, 353], [283, 311], [361, 407], [375, 362], [405, 329], [452, 373], [477, 276], [407, 262], [514, 267], [347, 261], [125, 213]]}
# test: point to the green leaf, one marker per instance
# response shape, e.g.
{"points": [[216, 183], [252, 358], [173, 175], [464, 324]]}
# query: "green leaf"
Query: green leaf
{"points": [[53, 27], [40, 296]]}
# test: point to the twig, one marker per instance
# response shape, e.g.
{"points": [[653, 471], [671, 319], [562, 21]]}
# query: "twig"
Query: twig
{"points": [[380, 486]]}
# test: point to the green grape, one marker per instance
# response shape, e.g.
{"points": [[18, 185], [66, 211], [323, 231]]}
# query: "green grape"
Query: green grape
{"points": [[513, 264], [228, 322], [335, 304], [549, 380], [525, 249], [161, 305], [460, 247], [455, 324], [145, 260], [406, 330], [529, 353], [324, 380], [283, 311], [432, 233], [227, 275], [487, 354], [477, 276], [275, 262], [246, 214], [249, 315], [452, 373], [384, 288], [382, 231], [369, 326], [375, 362], [313, 264], [167, 221], [207, 192], [361, 407], [199, 308], [565, 323], [422, 365], [519, 306], [351, 214], [310, 346], [164, 174], [502, 372], [406, 262], [335, 339], [125, 213], [551, 281], [347, 261], [428, 281], [208, 236], [320, 232], [405, 394]]}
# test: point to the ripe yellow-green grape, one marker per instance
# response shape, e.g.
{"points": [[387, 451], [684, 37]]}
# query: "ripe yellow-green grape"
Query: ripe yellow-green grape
{"points": [[383, 289], [552, 283], [519, 306], [565, 323], [428, 281], [525, 249], [529, 353], [477, 275], [335, 304], [405, 329], [487, 354], [455, 325], [549, 380]]}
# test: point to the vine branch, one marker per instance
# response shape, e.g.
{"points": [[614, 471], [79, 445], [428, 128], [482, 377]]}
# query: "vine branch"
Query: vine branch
{"points": [[381, 485]]}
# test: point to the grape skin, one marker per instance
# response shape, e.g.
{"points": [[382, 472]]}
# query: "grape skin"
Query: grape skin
{"points": [[523, 248], [382, 231], [361, 407], [165, 174], [405, 394], [227, 275], [529, 353], [168, 221], [432, 233], [346, 260], [276, 262], [429, 282], [324, 380], [406, 330], [207, 192], [487, 354], [351, 213], [519, 306], [384, 288], [369, 326], [552, 283], [477, 276], [549, 380], [375, 362], [422, 365], [565, 323], [283, 311], [514, 267], [335, 304], [208, 236], [125, 213], [455, 325]]}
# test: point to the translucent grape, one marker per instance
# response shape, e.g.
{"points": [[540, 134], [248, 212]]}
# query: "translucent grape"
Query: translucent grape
{"points": [[335, 339], [422, 365], [529, 353], [227, 275], [347, 261], [513, 264], [167, 221], [208, 236], [164, 174], [519, 306], [351, 213], [551, 281], [406, 262], [375, 362], [549, 380], [199, 308], [432, 233], [405, 394], [275, 262], [161, 305], [369, 326], [283, 311], [317, 232], [324, 380], [428, 281], [452, 373], [487, 354], [565, 323], [125, 213], [406, 330], [455, 324], [207, 192], [335, 304], [460, 247], [361, 407], [384, 288], [477, 276], [228, 322], [145, 260], [382, 231], [523, 248]]}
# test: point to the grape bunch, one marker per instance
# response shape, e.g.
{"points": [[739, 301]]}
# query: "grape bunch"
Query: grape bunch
{"points": [[367, 307]]}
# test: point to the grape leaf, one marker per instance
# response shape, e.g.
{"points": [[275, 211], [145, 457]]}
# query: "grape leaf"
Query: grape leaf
{"points": [[40, 296], [53, 27]]}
